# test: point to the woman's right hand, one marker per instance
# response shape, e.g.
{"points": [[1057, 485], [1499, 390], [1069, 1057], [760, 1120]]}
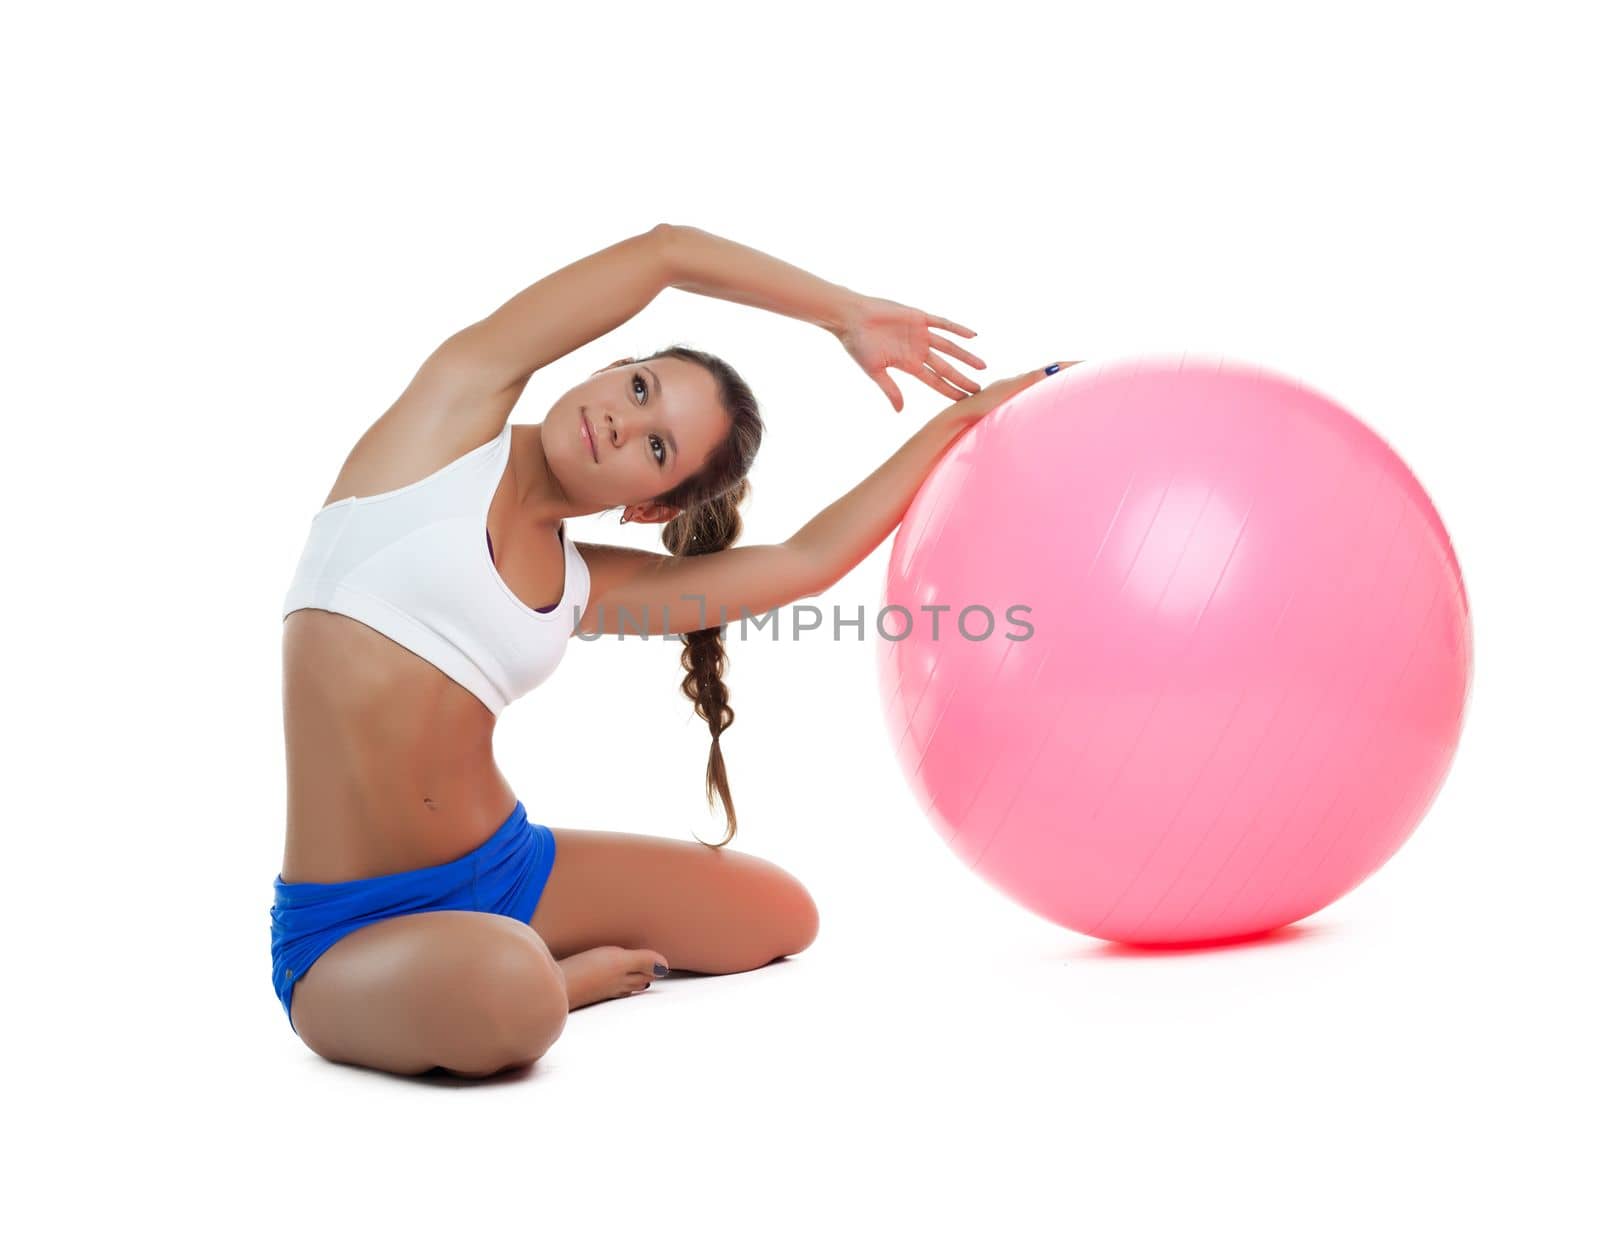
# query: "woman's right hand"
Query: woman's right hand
{"points": [[975, 407]]}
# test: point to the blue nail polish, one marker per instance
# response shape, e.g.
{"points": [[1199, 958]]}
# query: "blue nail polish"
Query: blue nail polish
{"points": [[659, 970], [1050, 369]]}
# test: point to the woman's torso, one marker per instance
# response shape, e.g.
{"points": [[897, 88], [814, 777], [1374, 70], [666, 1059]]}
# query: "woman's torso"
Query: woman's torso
{"points": [[390, 763]]}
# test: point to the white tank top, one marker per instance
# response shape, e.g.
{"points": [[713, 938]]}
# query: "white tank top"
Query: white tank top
{"points": [[415, 564]]}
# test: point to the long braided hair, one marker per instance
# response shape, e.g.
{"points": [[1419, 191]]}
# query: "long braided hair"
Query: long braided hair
{"points": [[708, 521]]}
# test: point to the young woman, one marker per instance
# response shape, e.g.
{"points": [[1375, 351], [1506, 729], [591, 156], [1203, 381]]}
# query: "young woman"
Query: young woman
{"points": [[421, 920]]}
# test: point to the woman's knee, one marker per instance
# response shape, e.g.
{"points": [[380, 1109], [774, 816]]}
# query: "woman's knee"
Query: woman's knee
{"points": [[460, 990], [795, 920], [509, 1007]]}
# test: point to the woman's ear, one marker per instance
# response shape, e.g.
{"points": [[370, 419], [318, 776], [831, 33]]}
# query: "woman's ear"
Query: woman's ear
{"points": [[649, 513]]}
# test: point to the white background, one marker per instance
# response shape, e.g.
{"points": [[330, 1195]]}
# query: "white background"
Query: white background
{"points": [[234, 232]]}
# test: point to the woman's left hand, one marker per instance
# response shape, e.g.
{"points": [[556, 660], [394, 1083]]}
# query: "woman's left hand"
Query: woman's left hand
{"points": [[879, 334]]}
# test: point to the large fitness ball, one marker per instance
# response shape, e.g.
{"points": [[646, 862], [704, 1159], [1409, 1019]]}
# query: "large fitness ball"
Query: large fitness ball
{"points": [[1183, 650]]}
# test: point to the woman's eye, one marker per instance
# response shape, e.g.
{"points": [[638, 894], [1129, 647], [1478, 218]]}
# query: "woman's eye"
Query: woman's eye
{"points": [[662, 458], [641, 382]]}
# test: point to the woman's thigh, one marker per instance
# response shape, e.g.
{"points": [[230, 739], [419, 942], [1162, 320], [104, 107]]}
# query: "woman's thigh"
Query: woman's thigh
{"points": [[707, 909], [465, 991]]}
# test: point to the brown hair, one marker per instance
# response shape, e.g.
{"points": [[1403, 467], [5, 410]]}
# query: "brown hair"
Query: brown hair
{"points": [[709, 521]]}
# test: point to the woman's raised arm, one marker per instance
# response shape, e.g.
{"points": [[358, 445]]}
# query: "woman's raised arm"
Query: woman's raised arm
{"points": [[848, 530]]}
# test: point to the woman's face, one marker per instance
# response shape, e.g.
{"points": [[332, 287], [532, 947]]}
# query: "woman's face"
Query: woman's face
{"points": [[649, 426]]}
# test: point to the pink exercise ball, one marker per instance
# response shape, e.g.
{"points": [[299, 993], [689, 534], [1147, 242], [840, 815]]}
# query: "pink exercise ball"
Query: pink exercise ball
{"points": [[1206, 653]]}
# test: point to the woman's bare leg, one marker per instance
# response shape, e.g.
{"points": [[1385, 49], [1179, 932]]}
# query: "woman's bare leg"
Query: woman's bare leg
{"points": [[465, 991], [704, 909]]}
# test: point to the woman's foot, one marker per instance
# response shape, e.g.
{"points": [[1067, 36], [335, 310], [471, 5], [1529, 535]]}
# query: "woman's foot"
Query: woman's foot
{"points": [[609, 971]]}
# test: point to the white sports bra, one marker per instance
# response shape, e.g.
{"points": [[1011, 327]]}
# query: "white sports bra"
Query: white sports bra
{"points": [[415, 564]]}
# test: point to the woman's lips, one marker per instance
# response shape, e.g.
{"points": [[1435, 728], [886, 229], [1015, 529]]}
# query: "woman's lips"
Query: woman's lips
{"points": [[588, 437]]}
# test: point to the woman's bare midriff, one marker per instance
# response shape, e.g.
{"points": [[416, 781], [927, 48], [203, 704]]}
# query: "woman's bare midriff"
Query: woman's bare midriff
{"points": [[390, 763]]}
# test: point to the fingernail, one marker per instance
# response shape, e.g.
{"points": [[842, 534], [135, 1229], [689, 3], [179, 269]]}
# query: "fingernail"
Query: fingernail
{"points": [[660, 970], [1050, 369]]}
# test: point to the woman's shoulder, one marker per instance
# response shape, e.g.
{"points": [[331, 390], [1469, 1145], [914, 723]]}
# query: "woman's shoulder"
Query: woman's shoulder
{"points": [[388, 458], [447, 411]]}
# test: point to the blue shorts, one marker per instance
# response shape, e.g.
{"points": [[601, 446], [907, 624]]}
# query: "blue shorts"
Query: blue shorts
{"points": [[504, 876]]}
